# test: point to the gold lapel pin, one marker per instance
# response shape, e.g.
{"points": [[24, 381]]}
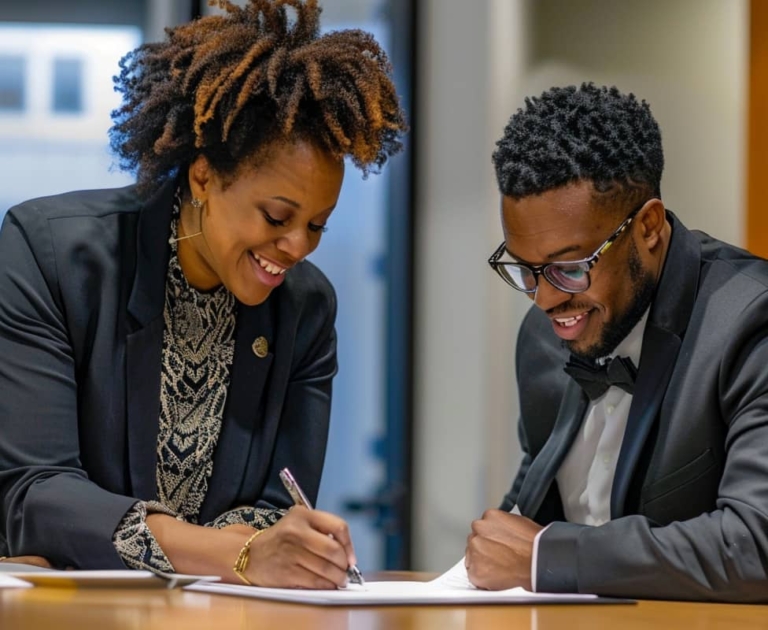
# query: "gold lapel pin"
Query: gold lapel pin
{"points": [[260, 347]]}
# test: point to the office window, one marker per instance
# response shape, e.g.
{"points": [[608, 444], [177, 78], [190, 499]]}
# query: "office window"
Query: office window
{"points": [[60, 84], [12, 70], [67, 85]]}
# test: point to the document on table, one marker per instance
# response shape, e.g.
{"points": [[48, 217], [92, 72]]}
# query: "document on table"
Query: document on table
{"points": [[452, 587], [105, 579], [8, 581]]}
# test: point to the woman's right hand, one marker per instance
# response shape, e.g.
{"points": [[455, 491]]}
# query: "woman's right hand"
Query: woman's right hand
{"points": [[305, 549]]}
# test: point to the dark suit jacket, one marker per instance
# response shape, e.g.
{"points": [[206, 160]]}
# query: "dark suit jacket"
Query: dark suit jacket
{"points": [[82, 289], [689, 504]]}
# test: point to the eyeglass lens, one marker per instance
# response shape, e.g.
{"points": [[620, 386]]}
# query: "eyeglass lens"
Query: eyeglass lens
{"points": [[569, 278], [519, 277]]}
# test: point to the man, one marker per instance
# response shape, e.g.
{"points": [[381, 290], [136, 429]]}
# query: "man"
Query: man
{"points": [[643, 372]]}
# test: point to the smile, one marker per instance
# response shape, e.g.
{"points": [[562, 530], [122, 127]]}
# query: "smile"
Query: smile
{"points": [[571, 327], [267, 266], [570, 321]]}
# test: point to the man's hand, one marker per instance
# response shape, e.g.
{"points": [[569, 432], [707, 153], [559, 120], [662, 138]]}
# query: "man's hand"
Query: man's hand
{"points": [[499, 551]]}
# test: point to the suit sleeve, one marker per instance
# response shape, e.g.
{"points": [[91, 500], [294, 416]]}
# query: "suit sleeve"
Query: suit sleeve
{"points": [[721, 555], [510, 499], [539, 396], [48, 506], [304, 424]]}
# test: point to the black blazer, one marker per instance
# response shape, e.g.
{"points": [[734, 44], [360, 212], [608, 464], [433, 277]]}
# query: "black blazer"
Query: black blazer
{"points": [[82, 290], [689, 503]]}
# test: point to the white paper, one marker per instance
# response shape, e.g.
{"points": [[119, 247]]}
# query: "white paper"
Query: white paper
{"points": [[452, 587], [109, 579], [8, 581], [454, 578]]}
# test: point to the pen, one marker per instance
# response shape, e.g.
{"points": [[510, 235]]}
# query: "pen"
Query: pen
{"points": [[299, 498]]}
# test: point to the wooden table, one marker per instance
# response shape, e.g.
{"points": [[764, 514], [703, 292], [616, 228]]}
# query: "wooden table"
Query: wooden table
{"points": [[64, 609]]}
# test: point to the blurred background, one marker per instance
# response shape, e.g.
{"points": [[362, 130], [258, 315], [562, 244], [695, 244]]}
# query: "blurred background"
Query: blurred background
{"points": [[423, 428]]}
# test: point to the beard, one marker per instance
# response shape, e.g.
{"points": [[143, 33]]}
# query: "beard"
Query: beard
{"points": [[643, 286]]}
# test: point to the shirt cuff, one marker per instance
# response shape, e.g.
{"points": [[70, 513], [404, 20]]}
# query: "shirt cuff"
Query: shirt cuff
{"points": [[535, 558], [558, 558], [258, 518], [134, 542]]}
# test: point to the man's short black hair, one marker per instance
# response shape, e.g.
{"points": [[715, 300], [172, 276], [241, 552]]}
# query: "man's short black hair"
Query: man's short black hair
{"points": [[571, 134]]}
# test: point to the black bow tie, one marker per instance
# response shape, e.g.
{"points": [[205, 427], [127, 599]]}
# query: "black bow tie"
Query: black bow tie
{"points": [[596, 379]]}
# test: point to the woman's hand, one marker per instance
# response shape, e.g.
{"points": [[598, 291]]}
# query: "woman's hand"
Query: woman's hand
{"points": [[305, 549], [37, 561]]}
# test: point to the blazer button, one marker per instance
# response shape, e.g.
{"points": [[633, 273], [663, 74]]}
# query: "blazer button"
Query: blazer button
{"points": [[260, 347]]}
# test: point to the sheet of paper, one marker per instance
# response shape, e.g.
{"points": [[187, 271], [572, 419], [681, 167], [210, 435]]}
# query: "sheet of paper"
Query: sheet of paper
{"points": [[8, 581], [109, 579], [394, 593], [452, 587], [454, 578]]}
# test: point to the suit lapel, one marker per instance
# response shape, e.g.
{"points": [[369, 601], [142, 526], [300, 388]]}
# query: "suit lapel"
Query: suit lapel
{"points": [[667, 322], [243, 410], [144, 343], [546, 464], [658, 357], [143, 364]]}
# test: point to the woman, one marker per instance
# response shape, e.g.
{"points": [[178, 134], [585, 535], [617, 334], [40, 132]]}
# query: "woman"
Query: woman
{"points": [[166, 351]]}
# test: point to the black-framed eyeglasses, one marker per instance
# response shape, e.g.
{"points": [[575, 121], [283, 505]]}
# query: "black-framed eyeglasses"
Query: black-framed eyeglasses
{"points": [[570, 276]]}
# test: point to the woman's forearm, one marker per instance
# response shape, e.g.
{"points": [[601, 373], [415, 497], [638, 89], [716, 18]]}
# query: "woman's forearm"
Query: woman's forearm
{"points": [[199, 550]]}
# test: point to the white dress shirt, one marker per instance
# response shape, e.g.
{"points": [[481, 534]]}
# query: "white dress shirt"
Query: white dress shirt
{"points": [[585, 478]]}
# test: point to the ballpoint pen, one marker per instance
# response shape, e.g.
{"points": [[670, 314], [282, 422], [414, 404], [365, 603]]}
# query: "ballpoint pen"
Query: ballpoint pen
{"points": [[299, 498]]}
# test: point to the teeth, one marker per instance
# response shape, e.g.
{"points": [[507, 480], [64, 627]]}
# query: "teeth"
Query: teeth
{"points": [[570, 321], [268, 266]]}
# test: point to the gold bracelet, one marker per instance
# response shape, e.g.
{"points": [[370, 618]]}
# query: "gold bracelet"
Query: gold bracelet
{"points": [[241, 564]]}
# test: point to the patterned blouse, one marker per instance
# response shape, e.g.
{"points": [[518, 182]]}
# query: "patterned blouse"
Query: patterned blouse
{"points": [[198, 348]]}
